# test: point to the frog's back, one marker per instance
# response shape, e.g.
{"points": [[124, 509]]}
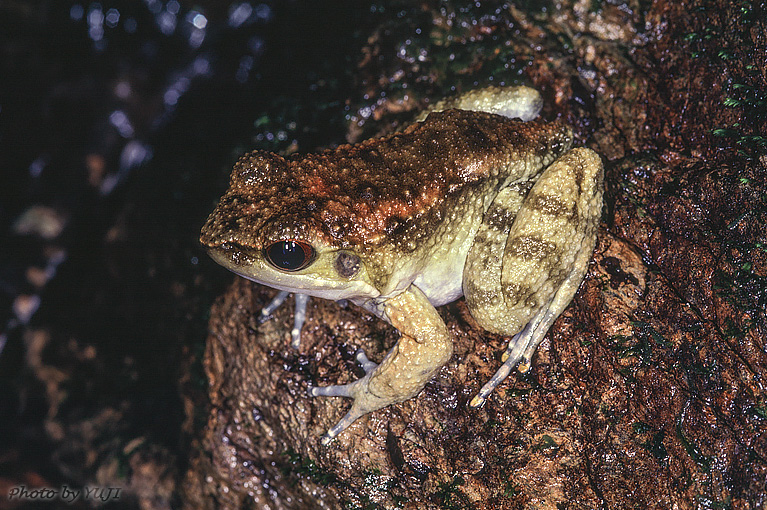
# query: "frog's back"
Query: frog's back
{"points": [[374, 190], [393, 190]]}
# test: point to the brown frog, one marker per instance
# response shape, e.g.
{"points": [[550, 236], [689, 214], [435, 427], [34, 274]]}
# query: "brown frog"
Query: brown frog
{"points": [[465, 201]]}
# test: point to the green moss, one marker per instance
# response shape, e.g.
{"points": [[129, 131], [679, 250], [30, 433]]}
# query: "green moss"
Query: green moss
{"points": [[455, 46], [640, 427], [373, 482], [547, 443], [302, 467], [636, 346], [760, 411], [703, 461], [516, 393], [645, 330], [510, 490], [654, 443], [450, 497], [743, 288], [745, 94]]}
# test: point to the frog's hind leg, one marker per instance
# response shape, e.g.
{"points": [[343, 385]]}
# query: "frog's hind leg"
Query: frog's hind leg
{"points": [[522, 346], [519, 278]]}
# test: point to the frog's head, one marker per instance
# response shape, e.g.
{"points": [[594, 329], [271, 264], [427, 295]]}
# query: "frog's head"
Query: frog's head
{"points": [[265, 229]]}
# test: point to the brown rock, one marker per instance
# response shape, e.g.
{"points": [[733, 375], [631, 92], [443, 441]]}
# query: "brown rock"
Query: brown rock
{"points": [[650, 389]]}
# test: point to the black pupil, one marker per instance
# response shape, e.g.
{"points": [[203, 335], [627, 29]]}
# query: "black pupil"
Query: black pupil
{"points": [[287, 255]]}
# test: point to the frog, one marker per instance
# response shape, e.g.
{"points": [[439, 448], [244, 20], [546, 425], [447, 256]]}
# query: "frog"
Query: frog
{"points": [[477, 198]]}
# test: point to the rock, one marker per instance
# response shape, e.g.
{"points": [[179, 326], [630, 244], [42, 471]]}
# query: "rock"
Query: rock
{"points": [[649, 390]]}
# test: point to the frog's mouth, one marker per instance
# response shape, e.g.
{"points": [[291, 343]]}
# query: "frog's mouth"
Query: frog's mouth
{"points": [[245, 262], [233, 256]]}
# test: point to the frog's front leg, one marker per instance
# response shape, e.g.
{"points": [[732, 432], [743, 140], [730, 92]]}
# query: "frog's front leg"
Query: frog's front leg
{"points": [[519, 276], [299, 316], [425, 346]]}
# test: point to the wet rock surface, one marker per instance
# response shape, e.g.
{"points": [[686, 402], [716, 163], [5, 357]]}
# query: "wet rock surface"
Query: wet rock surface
{"points": [[648, 393]]}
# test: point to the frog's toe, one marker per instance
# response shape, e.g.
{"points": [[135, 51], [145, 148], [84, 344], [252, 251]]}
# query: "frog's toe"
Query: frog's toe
{"points": [[519, 352], [339, 427], [336, 390], [494, 381], [520, 344], [358, 390], [367, 365], [352, 389], [268, 310]]}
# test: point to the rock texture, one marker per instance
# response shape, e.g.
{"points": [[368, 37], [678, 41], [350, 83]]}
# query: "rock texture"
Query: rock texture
{"points": [[649, 391]]}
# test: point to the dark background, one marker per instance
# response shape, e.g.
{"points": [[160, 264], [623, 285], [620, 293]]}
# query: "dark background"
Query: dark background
{"points": [[119, 122]]}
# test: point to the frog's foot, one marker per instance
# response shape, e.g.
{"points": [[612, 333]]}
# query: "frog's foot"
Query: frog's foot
{"points": [[521, 102], [358, 390], [299, 318], [519, 351]]}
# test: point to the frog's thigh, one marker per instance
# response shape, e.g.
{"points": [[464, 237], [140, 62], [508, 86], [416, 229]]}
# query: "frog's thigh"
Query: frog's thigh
{"points": [[527, 277], [425, 346]]}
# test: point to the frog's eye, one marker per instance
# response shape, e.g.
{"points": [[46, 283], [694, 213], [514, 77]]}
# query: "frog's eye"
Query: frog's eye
{"points": [[289, 255]]}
